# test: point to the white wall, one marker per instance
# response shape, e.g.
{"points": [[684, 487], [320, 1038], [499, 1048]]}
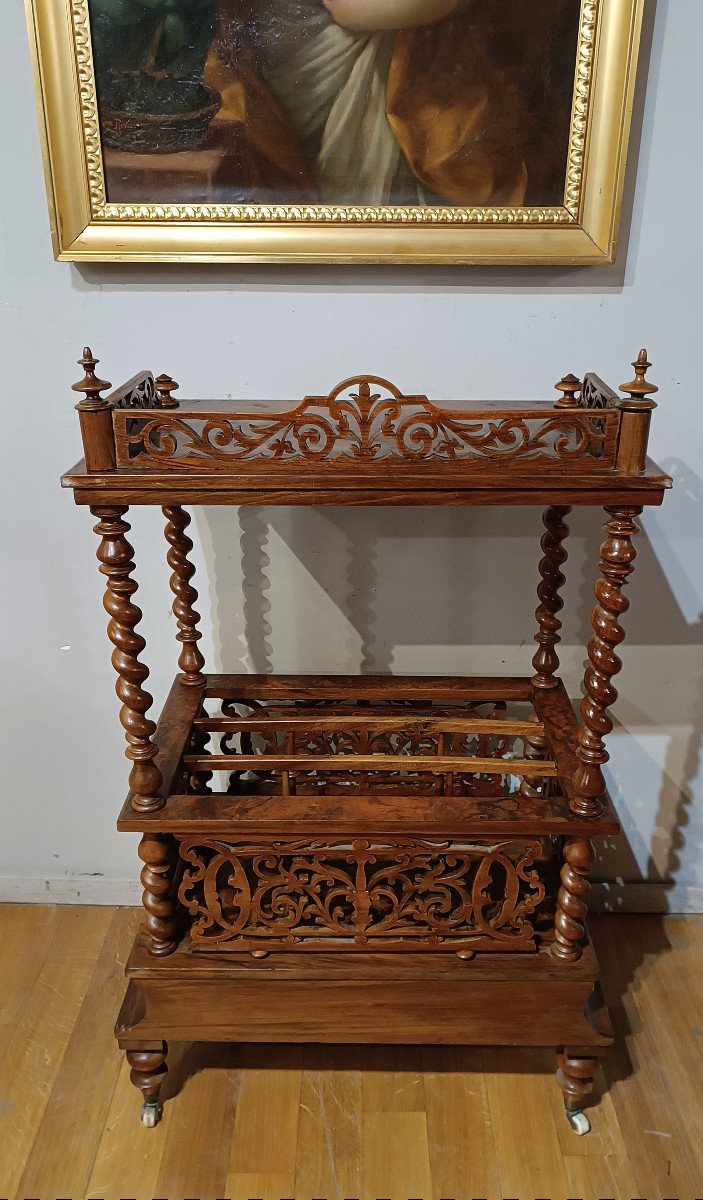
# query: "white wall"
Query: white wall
{"points": [[393, 590]]}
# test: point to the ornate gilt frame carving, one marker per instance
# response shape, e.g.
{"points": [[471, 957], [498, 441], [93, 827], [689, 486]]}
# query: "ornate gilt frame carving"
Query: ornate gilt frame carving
{"points": [[581, 231]]}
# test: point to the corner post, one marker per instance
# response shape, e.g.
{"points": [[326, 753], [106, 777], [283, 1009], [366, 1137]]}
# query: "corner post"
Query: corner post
{"points": [[116, 558], [546, 660], [190, 659], [636, 414], [617, 555], [95, 414], [572, 909]]}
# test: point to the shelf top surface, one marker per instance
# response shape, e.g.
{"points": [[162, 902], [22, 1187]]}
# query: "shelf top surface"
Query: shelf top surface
{"points": [[364, 443]]}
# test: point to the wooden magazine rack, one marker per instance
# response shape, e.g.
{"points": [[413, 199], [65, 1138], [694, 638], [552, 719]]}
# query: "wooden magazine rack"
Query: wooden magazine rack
{"points": [[366, 858]]}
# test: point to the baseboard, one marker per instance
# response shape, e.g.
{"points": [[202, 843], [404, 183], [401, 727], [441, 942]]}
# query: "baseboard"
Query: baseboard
{"points": [[73, 889], [646, 897], [101, 889]]}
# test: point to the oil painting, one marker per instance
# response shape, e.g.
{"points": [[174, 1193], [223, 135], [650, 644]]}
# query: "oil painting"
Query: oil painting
{"points": [[360, 125], [361, 102]]}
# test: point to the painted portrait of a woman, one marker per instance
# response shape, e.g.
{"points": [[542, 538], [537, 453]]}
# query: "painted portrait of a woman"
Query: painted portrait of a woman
{"points": [[365, 102]]}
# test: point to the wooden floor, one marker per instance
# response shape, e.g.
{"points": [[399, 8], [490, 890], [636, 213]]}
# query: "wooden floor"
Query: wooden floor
{"points": [[339, 1122]]}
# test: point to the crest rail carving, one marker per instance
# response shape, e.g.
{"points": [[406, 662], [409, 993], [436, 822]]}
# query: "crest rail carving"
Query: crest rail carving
{"points": [[364, 421]]}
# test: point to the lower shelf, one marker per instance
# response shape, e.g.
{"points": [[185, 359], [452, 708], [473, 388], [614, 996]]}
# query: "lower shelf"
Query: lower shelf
{"points": [[323, 842], [364, 813], [495, 999]]}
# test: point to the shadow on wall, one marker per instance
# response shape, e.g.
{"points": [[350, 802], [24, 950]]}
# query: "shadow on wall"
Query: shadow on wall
{"points": [[424, 591]]}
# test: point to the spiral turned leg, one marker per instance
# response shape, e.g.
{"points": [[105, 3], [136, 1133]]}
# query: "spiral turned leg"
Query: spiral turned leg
{"points": [[158, 855], [116, 558], [617, 555], [148, 1073], [546, 660], [572, 909], [190, 660]]}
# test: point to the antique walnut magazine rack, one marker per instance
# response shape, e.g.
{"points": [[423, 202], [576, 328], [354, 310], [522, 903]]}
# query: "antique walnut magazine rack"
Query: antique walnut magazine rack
{"points": [[366, 858]]}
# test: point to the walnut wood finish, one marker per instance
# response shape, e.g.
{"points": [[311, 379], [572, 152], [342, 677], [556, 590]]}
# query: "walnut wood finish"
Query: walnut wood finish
{"points": [[575, 1071], [636, 414], [575, 1077], [95, 414], [368, 443], [570, 387], [504, 999], [165, 387], [190, 660], [569, 922], [617, 555], [546, 660], [158, 854], [377, 894], [116, 558], [289, 820], [364, 421], [148, 1071]]}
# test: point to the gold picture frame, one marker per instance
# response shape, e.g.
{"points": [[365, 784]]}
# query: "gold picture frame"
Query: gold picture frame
{"points": [[86, 227]]}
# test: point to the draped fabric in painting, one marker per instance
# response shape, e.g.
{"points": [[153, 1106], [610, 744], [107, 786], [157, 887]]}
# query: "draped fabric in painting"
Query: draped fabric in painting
{"points": [[468, 105]]}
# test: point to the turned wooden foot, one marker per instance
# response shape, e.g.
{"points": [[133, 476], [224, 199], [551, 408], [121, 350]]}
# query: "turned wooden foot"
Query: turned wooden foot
{"points": [[148, 1073], [575, 1071]]}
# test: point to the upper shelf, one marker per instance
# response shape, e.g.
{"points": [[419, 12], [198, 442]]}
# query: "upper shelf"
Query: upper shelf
{"points": [[365, 442]]}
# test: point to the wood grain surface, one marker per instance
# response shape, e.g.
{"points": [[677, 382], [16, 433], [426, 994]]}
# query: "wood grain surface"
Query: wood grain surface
{"points": [[343, 1121]]}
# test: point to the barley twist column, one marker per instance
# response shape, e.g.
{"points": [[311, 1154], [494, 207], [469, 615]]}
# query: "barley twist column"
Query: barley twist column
{"points": [[572, 909], [546, 661], [158, 854], [116, 558], [190, 660], [617, 555]]}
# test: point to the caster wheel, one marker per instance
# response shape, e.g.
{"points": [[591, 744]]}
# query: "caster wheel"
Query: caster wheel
{"points": [[579, 1122], [150, 1115]]}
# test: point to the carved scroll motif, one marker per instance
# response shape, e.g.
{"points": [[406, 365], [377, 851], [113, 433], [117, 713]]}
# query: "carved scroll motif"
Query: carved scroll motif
{"points": [[316, 895], [138, 392], [595, 393], [363, 420]]}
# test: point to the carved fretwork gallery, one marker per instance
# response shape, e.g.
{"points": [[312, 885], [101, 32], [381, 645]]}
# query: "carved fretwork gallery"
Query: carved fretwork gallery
{"points": [[366, 858]]}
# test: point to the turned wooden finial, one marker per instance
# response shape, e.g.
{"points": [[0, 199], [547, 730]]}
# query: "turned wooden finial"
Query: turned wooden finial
{"points": [[165, 385], [639, 388], [569, 387], [90, 385]]}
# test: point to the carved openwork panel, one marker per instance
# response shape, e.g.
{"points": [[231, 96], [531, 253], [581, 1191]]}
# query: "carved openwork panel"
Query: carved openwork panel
{"points": [[363, 421], [360, 895], [338, 747], [595, 393], [139, 392], [597, 396]]}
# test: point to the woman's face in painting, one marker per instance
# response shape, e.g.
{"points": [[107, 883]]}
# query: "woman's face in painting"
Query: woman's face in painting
{"points": [[365, 16]]}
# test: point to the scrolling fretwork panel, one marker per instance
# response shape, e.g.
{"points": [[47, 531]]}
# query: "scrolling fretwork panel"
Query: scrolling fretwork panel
{"points": [[361, 895], [139, 392], [595, 393], [363, 421]]}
